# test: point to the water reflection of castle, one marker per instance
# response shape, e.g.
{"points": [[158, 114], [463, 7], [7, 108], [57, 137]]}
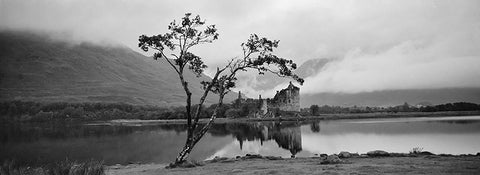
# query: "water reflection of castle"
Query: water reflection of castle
{"points": [[287, 136]]}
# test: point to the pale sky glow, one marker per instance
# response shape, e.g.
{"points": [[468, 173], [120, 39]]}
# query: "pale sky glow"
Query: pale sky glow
{"points": [[378, 44]]}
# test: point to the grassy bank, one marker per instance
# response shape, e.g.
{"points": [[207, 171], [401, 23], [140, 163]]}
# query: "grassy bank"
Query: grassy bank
{"points": [[379, 163], [65, 167]]}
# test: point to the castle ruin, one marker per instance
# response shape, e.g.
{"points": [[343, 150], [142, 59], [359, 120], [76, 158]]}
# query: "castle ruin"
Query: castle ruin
{"points": [[285, 100]]}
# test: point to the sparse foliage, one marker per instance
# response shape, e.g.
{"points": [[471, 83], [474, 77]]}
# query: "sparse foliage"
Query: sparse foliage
{"points": [[416, 150], [257, 55], [181, 36]]}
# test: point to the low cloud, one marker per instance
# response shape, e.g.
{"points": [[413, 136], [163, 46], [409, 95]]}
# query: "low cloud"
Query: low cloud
{"points": [[409, 65], [388, 44], [449, 60]]}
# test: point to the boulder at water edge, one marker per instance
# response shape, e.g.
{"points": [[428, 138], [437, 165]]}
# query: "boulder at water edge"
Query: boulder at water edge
{"points": [[344, 154], [378, 153]]}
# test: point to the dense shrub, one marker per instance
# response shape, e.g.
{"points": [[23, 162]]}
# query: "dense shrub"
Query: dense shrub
{"points": [[233, 113], [19, 111]]}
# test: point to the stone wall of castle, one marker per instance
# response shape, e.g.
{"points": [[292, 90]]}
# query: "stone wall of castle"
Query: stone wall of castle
{"points": [[287, 99], [263, 106]]}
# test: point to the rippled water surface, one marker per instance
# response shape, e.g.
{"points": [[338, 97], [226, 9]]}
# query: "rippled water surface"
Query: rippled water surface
{"points": [[160, 143]]}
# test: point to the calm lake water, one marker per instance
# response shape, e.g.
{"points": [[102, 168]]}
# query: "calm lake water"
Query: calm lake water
{"points": [[160, 143]]}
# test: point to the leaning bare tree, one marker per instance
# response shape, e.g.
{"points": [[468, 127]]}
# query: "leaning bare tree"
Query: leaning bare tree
{"points": [[192, 31]]}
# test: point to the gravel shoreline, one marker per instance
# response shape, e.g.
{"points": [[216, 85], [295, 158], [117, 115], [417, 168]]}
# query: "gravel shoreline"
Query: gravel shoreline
{"points": [[374, 162]]}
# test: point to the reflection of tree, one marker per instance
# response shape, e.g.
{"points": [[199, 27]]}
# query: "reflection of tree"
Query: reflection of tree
{"points": [[315, 127]]}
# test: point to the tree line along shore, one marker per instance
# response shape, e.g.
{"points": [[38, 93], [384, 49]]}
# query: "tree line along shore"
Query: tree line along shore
{"points": [[21, 111]]}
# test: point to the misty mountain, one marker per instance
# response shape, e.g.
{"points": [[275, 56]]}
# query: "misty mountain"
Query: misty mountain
{"points": [[37, 68], [312, 67], [267, 81], [383, 97], [377, 98]]}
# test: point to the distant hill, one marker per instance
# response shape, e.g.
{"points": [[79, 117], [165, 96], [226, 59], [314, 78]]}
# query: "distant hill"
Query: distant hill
{"points": [[394, 97], [34, 67]]}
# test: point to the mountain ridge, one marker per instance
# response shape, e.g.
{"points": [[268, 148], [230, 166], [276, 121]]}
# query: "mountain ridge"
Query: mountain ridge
{"points": [[35, 67], [387, 98]]}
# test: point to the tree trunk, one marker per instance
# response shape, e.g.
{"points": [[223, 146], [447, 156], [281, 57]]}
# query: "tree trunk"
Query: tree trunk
{"points": [[193, 139], [183, 155]]}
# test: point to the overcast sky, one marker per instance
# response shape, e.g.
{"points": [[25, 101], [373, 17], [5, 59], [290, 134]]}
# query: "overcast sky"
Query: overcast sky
{"points": [[377, 44]]}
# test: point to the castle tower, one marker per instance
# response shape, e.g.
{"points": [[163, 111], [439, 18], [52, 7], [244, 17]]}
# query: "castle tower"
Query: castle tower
{"points": [[238, 101], [287, 99], [263, 106], [291, 86]]}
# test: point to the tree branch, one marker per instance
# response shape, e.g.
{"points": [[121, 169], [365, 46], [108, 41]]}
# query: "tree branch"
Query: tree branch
{"points": [[169, 62], [204, 96]]}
